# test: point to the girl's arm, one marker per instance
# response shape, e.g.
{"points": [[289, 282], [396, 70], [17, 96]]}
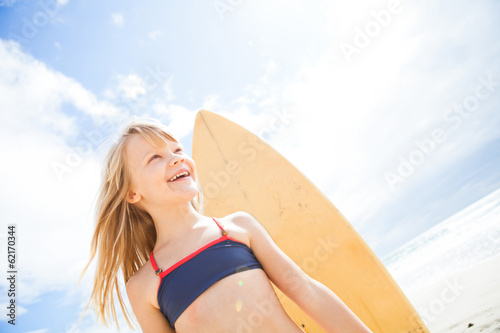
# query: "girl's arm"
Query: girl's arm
{"points": [[315, 299]]}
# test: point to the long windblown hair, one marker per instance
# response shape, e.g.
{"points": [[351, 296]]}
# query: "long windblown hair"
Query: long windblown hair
{"points": [[124, 233]]}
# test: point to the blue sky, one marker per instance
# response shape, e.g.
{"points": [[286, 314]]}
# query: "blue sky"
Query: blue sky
{"points": [[390, 108]]}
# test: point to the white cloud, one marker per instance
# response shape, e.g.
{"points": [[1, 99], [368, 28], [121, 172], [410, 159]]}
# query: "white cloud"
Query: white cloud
{"points": [[47, 91], [117, 19], [178, 119], [257, 109], [351, 121], [35, 134], [168, 89], [131, 86], [212, 103], [154, 35], [31, 147]]}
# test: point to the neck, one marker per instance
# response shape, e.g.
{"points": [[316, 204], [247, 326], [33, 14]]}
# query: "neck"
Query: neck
{"points": [[172, 221]]}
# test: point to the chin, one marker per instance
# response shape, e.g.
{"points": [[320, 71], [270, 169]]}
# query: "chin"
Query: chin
{"points": [[189, 195]]}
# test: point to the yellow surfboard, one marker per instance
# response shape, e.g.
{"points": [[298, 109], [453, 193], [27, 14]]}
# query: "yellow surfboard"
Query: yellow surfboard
{"points": [[239, 171]]}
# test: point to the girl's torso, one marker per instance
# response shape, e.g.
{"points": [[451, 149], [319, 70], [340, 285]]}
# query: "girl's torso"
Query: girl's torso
{"points": [[241, 302]]}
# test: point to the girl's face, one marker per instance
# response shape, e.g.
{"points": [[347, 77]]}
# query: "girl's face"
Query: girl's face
{"points": [[153, 170]]}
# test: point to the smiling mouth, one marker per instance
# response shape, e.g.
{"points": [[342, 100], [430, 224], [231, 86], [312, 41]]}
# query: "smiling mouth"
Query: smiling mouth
{"points": [[179, 176]]}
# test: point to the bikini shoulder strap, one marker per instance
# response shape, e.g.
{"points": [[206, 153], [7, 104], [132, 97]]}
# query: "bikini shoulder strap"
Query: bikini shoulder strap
{"points": [[153, 263], [224, 233]]}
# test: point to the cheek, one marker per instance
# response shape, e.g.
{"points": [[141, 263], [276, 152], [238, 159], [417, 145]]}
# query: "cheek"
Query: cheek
{"points": [[135, 180], [153, 177], [192, 165]]}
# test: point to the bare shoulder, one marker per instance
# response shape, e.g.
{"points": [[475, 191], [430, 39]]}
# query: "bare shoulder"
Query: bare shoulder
{"points": [[241, 219], [139, 291], [134, 282], [138, 284], [144, 284], [236, 225], [243, 222]]}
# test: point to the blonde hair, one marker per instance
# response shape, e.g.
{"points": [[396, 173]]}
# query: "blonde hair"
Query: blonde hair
{"points": [[124, 233]]}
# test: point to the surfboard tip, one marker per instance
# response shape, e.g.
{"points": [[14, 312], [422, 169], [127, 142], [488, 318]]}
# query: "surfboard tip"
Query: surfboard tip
{"points": [[203, 112]]}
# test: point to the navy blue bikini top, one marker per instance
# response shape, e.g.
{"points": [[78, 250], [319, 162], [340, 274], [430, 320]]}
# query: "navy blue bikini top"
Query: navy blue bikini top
{"points": [[187, 279]]}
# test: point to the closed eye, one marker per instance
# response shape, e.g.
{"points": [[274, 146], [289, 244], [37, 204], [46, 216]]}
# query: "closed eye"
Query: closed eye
{"points": [[152, 157], [179, 149]]}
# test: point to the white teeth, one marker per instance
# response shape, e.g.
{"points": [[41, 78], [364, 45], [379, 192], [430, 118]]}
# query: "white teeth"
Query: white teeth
{"points": [[184, 173]]}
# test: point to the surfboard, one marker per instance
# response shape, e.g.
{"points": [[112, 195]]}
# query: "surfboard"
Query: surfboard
{"points": [[240, 171]]}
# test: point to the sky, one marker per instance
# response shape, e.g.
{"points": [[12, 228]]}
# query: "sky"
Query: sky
{"points": [[391, 108]]}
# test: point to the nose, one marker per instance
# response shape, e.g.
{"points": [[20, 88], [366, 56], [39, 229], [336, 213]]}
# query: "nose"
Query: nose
{"points": [[176, 159]]}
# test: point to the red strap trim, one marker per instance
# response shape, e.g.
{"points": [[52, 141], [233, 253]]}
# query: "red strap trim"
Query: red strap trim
{"points": [[162, 273], [220, 226], [153, 262], [182, 261], [187, 258], [201, 249]]}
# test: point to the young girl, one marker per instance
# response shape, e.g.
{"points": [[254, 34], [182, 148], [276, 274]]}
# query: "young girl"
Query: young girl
{"points": [[186, 272]]}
